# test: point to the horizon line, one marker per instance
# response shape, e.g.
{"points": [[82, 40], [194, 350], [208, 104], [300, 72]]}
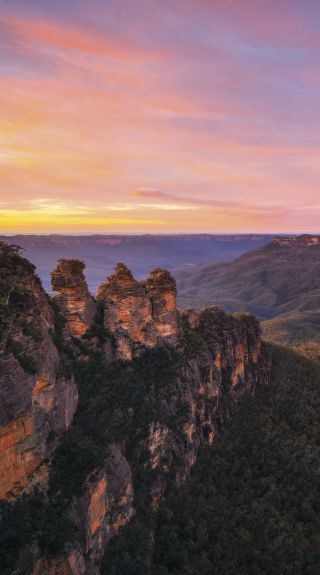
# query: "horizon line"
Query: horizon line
{"points": [[91, 234]]}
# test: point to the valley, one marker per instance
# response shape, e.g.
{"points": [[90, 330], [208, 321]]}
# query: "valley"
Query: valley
{"points": [[279, 283], [137, 437], [141, 253]]}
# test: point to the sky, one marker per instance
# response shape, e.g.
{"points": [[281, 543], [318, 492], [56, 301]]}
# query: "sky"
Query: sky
{"points": [[159, 116]]}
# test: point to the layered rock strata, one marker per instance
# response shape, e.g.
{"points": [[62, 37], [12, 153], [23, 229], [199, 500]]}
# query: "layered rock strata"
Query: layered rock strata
{"points": [[302, 241], [105, 506], [227, 364], [139, 314], [72, 294], [37, 402]]}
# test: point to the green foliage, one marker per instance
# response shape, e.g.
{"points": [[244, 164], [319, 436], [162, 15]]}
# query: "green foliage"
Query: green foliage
{"points": [[31, 519], [117, 402], [15, 296], [72, 266], [97, 329], [294, 328], [66, 353], [214, 324], [13, 269], [59, 325], [280, 285], [10, 259], [252, 504]]}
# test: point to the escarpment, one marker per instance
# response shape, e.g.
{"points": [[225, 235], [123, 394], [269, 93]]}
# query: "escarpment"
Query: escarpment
{"points": [[219, 360], [305, 240], [104, 507], [37, 400], [139, 314], [72, 294], [140, 423]]}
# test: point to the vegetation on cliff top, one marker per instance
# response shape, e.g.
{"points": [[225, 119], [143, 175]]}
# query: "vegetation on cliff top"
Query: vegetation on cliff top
{"points": [[15, 273], [16, 298]]}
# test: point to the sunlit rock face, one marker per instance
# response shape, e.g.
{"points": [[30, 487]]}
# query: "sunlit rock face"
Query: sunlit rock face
{"points": [[304, 240], [223, 360], [36, 402], [73, 296], [104, 507], [139, 314], [161, 290]]}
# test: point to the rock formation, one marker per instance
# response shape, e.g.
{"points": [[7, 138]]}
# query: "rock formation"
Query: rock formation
{"points": [[104, 508], [73, 296], [139, 314], [192, 368], [228, 364], [304, 240], [37, 402], [161, 290]]}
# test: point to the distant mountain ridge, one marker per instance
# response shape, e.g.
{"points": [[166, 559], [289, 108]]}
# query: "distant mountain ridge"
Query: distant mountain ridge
{"points": [[279, 282], [141, 252], [305, 240]]}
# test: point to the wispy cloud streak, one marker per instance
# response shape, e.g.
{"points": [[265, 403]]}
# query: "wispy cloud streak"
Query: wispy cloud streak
{"points": [[197, 116]]}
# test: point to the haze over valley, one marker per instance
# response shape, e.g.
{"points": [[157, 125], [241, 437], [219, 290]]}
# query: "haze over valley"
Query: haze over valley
{"points": [[141, 253]]}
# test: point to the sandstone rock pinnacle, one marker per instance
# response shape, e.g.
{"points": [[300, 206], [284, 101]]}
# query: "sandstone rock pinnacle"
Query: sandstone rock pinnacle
{"points": [[73, 295], [139, 313]]}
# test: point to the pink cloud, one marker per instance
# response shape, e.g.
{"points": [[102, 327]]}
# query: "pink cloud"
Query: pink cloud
{"points": [[208, 101]]}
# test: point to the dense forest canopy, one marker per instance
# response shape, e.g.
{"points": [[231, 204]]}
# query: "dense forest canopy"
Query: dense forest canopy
{"points": [[252, 505]]}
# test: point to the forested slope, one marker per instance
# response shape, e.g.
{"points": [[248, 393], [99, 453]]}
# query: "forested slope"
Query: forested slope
{"points": [[252, 505]]}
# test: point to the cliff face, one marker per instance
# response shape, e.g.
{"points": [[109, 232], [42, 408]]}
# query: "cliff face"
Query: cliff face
{"points": [[219, 367], [36, 402], [139, 314], [140, 424], [162, 292], [304, 240], [73, 296], [187, 392], [104, 507]]}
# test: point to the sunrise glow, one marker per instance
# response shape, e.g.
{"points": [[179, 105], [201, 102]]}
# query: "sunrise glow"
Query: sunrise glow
{"points": [[160, 116]]}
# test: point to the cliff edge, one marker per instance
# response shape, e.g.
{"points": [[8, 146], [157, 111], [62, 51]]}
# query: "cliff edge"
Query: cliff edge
{"points": [[156, 387]]}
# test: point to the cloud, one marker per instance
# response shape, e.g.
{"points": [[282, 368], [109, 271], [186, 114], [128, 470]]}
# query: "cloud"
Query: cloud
{"points": [[205, 109], [231, 207], [67, 37]]}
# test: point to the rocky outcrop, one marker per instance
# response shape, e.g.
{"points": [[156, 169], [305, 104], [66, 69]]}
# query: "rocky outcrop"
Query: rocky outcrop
{"points": [[162, 292], [73, 296], [223, 360], [139, 314], [196, 367], [37, 402], [104, 508], [304, 240], [220, 360]]}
